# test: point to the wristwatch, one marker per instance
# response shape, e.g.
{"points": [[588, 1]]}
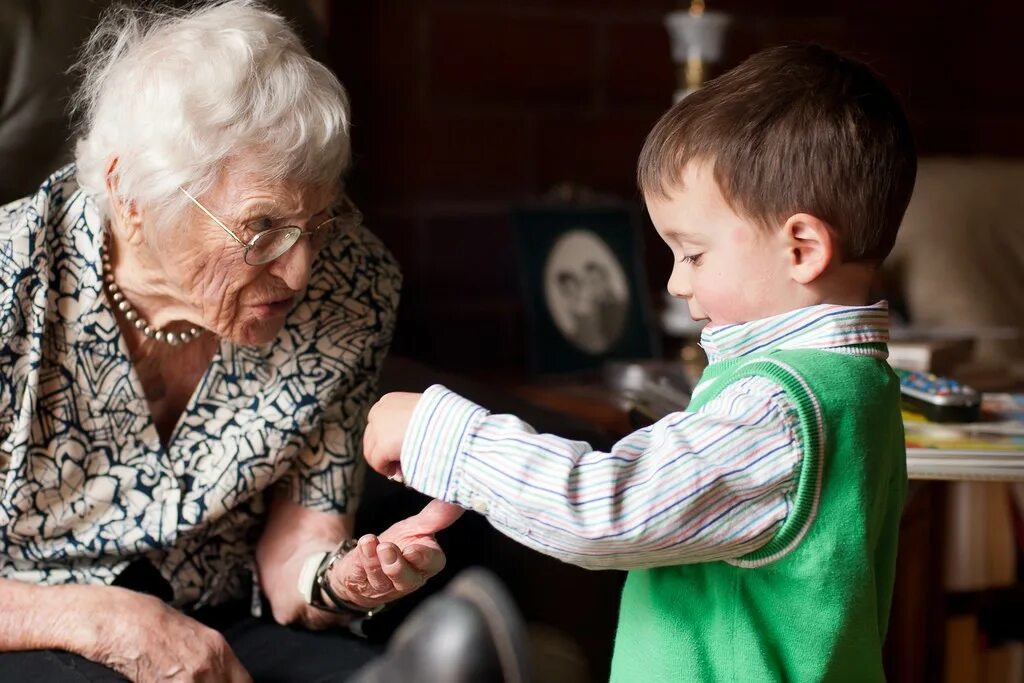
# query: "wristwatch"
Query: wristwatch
{"points": [[315, 584]]}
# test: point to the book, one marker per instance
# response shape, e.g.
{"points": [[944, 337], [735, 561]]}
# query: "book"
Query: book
{"points": [[990, 449]]}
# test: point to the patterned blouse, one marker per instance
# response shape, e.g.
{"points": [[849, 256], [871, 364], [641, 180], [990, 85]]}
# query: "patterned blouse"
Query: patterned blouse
{"points": [[86, 486]]}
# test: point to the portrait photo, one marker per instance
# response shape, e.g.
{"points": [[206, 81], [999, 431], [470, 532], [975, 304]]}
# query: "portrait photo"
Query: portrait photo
{"points": [[586, 291], [583, 286]]}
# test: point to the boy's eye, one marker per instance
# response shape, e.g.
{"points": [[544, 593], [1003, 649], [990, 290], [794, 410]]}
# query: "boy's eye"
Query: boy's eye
{"points": [[693, 260]]}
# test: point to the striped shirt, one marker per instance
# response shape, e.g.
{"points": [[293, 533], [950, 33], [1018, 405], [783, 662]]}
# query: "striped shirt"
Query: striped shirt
{"points": [[694, 487]]}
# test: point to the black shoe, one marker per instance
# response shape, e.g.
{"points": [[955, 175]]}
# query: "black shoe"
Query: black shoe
{"points": [[470, 633]]}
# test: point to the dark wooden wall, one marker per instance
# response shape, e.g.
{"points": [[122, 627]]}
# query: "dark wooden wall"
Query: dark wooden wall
{"points": [[464, 107]]}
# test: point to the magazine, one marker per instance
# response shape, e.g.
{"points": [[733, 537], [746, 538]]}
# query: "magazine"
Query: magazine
{"points": [[989, 449]]}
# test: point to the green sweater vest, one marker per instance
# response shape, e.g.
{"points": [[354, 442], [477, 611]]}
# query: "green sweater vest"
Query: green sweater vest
{"points": [[813, 604]]}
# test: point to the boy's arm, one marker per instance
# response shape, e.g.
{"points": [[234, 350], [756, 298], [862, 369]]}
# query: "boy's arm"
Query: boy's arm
{"points": [[696, 486]]}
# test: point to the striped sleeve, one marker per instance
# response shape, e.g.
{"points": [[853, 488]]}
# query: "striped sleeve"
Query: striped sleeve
{"points": [[694, 487]]}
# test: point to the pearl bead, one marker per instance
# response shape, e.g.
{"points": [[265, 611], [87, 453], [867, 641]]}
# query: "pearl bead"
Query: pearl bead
{"points": [[133, 317]]}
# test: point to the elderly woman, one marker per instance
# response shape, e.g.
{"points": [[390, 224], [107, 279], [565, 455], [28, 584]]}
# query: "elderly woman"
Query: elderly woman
{"points": [[191, 325]]}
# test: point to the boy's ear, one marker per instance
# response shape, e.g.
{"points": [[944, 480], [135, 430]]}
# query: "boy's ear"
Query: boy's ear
{"points": [[129, 219], [809, 247]]}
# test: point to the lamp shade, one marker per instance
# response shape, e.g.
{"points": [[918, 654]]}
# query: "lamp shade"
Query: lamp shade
{"points": [[696, 36]]}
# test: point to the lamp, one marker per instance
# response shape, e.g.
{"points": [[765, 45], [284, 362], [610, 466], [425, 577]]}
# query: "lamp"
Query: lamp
{"points": [[697, 36]]}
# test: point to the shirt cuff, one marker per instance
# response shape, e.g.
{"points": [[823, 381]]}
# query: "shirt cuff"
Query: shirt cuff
{"points": [[439, 432]]}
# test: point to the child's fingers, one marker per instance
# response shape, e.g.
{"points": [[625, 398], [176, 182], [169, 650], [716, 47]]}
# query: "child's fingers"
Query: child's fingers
{"points": [[379, 583], [402, 574]]}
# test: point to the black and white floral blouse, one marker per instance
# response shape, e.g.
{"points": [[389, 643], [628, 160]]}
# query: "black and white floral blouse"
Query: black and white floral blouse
{"points": [[85, 484]]}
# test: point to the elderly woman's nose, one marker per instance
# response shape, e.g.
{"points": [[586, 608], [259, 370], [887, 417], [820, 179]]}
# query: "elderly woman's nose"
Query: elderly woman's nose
{"points": [[293, 267]]}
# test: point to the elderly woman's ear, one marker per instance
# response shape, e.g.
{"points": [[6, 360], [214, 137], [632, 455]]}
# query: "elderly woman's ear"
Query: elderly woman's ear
{"points": [[126, 219]]}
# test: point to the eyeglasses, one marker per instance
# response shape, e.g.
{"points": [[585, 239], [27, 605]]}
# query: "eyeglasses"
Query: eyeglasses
{"points": [[267, 245]]}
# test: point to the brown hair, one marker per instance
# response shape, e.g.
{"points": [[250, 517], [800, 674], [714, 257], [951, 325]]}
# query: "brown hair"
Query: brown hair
{"points": [[795, 129]]}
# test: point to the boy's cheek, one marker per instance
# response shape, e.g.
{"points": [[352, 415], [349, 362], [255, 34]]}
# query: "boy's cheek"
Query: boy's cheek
{"points": [[724, 308], [721, 307]]}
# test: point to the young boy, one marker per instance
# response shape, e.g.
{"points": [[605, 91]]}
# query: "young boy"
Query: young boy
{"points": [[760, 524]]}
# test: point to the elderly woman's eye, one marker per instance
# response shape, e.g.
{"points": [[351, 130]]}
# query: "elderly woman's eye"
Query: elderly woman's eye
{"points": [[260, 224]]}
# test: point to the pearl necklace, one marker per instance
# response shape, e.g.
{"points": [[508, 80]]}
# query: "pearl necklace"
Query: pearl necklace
{"points": [[140, 323]]}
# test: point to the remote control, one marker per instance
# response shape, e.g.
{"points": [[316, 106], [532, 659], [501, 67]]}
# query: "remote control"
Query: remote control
{"points": [[939, 399]]}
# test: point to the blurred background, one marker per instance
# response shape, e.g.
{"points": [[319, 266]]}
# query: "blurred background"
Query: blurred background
{"points": [[465, 111], [463, 108]]}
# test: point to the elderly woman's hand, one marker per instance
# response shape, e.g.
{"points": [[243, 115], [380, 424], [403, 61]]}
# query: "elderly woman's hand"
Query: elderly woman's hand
{"points": [[149, 641], [400, 560]]}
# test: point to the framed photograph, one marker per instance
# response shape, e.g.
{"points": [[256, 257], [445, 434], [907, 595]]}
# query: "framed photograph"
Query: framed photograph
{"points": [[584, 286]]}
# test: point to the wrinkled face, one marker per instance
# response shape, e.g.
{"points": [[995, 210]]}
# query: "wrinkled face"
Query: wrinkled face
{"points": [[727, 268], [246, 304]]}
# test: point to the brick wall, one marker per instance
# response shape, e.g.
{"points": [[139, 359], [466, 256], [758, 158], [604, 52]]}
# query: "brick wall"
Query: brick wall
{"points": [[465, 107]]}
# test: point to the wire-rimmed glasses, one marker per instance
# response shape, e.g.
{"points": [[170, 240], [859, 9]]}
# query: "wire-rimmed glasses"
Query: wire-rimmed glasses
{"points": [[267, 245]]}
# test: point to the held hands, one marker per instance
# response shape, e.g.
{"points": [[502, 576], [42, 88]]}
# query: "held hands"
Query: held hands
{"points": [[385, 431], [400, 560], [386, 567]]}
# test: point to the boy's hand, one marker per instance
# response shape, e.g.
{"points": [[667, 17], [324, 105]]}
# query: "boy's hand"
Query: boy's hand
{"points": [[385, 431]]}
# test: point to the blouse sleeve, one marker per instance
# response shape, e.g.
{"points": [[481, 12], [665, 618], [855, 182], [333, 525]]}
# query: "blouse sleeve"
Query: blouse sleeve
{"points": [[20, 285]]}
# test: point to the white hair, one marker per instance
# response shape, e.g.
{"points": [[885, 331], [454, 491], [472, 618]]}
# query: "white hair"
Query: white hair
{"points": [[174, 96]]}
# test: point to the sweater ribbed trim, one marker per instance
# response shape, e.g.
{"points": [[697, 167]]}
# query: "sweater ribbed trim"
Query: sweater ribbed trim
{"points": [[812, 441], [812, 432]]}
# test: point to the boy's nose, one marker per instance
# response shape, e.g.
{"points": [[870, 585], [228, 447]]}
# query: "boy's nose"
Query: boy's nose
{"points": [[678, 292], [679, 285]]}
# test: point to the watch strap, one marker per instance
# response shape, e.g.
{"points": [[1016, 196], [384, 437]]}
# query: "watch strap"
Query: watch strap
{"points": [[320, 584]]}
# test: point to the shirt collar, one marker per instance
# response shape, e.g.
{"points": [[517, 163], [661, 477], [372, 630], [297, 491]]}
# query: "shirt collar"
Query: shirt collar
{"points": [[862, 330]]}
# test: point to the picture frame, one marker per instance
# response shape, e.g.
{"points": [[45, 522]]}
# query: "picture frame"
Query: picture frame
{"points": [[584, 286]]}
